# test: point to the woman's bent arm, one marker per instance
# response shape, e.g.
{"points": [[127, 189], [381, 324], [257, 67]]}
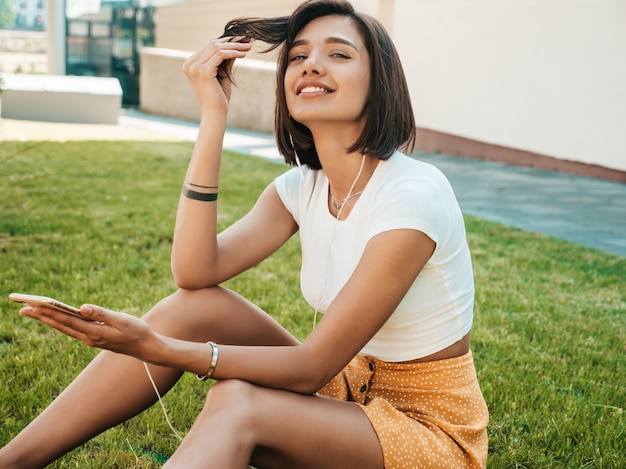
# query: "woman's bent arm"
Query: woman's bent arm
{"points": [[359, 311], [199, 257]]}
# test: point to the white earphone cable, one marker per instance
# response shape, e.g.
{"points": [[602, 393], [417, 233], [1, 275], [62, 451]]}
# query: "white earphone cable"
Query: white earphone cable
{"points": [[332, 239], [156, 390]]}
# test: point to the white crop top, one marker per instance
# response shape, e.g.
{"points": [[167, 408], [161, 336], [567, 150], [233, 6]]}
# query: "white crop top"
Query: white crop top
{"points": [[403, 193]]}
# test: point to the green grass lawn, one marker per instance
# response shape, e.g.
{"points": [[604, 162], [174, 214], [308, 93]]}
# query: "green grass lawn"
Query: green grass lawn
{"points": [[93, 221]]}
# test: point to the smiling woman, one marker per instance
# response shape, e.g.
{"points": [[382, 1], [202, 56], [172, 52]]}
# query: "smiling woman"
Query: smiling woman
{"points": [[327, 77], [387, 378]]}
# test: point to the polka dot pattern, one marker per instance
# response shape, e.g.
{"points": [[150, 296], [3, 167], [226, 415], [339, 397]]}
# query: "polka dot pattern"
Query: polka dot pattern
{"points": [[426, 415]]}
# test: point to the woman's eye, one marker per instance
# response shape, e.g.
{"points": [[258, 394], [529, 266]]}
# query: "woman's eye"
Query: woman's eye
{"points": [[297, 57], [340, 55]]}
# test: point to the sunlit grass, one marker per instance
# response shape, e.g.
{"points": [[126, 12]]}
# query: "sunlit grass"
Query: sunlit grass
{"points": [[93, 221]]}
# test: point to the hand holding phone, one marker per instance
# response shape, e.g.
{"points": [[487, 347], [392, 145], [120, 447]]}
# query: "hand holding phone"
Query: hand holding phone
{"points": [[36, 300]]}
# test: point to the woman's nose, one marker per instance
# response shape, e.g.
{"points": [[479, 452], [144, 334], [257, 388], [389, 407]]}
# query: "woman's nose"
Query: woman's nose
{"points": [[312, 66]]}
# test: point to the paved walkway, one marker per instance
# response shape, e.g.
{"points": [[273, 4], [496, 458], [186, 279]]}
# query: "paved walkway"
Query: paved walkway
{"points": [[586, 211]]}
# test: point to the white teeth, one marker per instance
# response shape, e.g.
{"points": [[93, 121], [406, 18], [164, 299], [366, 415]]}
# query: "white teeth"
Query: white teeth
{"points": [[313, 89]]}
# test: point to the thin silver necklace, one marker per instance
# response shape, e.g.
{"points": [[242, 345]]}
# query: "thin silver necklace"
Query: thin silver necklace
{"points": [[339, 203]]}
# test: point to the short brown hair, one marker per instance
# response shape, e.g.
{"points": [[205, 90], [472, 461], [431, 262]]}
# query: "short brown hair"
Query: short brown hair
{"points": [[389, 120]]}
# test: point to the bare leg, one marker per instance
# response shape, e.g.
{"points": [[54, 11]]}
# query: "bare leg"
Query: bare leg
{"points": [[95, 401], [243, 424]]}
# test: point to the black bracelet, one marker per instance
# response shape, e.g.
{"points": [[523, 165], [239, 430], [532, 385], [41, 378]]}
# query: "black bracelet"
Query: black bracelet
{"points": [[199, 195], [198, 185]]}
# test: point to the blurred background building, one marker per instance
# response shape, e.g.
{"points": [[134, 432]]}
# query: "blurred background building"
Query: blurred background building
{"points": [[29, 14], [530, 82]]}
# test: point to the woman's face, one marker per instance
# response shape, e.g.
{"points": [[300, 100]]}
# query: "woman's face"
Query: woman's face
{"points": [[328, 73]]}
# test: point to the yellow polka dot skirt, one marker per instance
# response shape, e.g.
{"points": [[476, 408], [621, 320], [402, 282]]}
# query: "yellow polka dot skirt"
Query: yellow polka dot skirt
{"points": [[426, 415]]}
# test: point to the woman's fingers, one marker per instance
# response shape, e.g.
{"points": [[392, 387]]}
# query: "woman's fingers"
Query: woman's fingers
{"points": [[63, 322], [244, 39], [105, 329], [207, 68], [209, 58]]}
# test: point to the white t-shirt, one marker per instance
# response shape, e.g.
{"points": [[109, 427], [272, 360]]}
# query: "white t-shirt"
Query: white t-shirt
{"points": [[402, 193]]}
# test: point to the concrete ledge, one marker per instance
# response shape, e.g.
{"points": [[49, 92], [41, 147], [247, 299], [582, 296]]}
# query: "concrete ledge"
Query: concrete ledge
{"points": [[60, 98], [165, 90]]}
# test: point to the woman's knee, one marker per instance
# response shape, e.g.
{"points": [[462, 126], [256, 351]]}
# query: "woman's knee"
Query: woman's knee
{"points": [[185, 314], [232, 402], [217, 314], [233, 394]]}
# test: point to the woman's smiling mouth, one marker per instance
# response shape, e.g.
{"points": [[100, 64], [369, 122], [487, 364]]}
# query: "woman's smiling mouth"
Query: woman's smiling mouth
{"points": [[312, 90]]}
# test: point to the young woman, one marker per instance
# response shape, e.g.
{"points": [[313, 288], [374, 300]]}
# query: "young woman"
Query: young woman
{"points": [[386, 379]]}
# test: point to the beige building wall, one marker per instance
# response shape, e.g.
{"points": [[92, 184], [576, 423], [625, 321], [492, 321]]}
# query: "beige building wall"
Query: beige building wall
{"points": [[502, 79], [544, 76]]}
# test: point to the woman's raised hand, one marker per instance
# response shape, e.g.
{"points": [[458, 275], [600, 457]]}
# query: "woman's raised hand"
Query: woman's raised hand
{"points": [[209, 81]]}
